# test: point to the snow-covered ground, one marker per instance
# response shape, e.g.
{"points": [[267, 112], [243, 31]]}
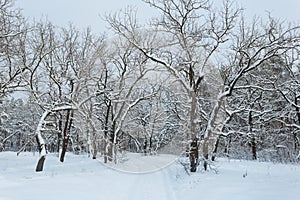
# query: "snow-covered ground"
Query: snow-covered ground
{"points": [[83, 178]]}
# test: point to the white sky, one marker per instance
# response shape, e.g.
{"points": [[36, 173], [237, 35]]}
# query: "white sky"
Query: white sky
{"points": [[84, 13]]}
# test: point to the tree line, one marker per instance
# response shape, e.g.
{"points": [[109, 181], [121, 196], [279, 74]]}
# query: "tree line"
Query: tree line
{"points": [[199, 79]]}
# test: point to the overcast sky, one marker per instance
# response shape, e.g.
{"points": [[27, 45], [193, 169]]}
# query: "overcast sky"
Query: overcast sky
{"points": [[84, 13]]}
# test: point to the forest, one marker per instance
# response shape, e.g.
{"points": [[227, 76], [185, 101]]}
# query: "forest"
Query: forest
{"points": [[200, 81]]}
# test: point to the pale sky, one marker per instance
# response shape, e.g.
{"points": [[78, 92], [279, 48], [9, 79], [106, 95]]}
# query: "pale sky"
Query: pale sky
{"points": [[84, 13]]}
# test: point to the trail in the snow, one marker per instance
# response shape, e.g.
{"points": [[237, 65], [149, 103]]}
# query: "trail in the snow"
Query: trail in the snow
{"points": [[138, 163], [151, 186], [147, 177]]}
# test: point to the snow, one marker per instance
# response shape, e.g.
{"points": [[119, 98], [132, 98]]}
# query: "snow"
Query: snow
{"points": [[81, 177], [138, 163]]}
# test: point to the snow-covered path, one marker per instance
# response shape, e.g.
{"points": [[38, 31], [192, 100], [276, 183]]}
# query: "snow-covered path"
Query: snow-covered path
{"points": [[83, 178], [78, 177], [150, 186]]}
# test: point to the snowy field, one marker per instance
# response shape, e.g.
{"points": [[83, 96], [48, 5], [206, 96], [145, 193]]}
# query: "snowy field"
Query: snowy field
{"points": [[83, 178]]}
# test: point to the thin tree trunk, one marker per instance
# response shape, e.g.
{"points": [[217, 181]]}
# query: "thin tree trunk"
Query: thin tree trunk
{"points": [[210, 126], [95, 146], [105, 148], [227, 146], [193, 149], [106, 142], [112, 141], [59, 135], [253, 147], [252, 135], [216, 148]]}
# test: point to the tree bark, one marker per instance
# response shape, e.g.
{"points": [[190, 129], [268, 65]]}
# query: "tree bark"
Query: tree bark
{"points": [[253, 147], [193, 152], [41, 142], [194, 155], [216, 148], [67, 129], [210, 127], [252, 135]]}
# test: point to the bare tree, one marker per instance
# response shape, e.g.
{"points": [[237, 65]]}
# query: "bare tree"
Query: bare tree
{"points": [[125, 68], [194, 33], [256, 63], [13, 33]]}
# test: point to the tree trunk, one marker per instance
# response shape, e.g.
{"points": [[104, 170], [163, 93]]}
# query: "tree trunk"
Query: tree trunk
{"points": [[113, 141], [110, 148], [205, 153], [42, 150], [40, 164], [193, 149], [252, 135], [210, 127], [296, 142], [67, 129], [59, 134], [95, 146], [216, 148], [227, 146], [194, 155], [105, 150], [145, 146], [41, 142], [106, 139], [253, 147]]}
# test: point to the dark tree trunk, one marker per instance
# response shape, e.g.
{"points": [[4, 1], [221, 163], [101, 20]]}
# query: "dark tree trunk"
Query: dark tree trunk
{"points": [[252, 135], [205, 165], [95, 146], [66, 132], [151, 149], [227, 146], [40, 164], [194, 156], [253, 147], [216, 149], [59, 133], [63, 151], [296, 142], [145, 146], [41, 161], [106, 142]]}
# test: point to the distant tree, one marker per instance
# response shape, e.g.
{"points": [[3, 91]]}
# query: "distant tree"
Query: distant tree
{"points": [[125, 68], [254, 106]]}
